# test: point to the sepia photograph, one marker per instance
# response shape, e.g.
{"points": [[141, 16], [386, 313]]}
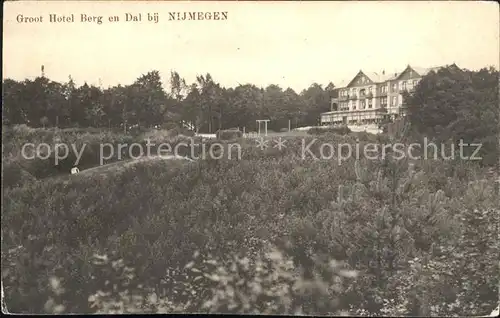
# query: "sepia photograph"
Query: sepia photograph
{"points": [[302, 158]]}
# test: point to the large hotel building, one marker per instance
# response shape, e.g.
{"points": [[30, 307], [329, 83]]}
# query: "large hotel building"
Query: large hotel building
{"points": [[370, 97]]}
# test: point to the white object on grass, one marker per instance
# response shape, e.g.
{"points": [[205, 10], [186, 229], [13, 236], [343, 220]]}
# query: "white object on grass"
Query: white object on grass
{"points": [[495, 312], [75, 170]]}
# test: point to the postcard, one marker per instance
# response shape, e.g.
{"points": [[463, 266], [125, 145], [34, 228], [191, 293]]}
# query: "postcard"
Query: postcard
{"points": [[250, 157]]}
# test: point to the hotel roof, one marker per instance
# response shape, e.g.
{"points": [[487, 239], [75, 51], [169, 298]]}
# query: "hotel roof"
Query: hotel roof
{"points": [[389, 76]]}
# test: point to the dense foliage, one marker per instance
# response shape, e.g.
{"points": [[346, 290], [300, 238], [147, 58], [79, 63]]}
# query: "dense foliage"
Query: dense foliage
{"points": [[228, 134], [84, 149], [204, 105], [452, 105], [269, 233], [341, 130]]}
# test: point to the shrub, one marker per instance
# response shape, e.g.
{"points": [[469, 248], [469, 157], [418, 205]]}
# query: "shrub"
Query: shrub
{"points": [[14, 175], [378, 216], [228, 134], [342, 130], [181, 131]]}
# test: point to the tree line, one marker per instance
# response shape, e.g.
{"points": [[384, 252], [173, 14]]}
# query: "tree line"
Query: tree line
{"points": [[458, 105], [204, 105]]}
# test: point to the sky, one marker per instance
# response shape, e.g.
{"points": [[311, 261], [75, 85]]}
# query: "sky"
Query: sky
{"points": [[292, 44]]}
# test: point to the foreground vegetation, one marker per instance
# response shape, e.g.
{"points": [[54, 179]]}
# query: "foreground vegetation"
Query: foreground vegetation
{"points": [[270, 233]]}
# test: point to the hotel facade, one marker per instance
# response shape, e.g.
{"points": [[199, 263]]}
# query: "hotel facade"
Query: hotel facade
{"points": [[371, 97]]}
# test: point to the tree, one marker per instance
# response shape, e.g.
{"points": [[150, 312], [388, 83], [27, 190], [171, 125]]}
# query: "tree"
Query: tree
{"points": [[149, 99], [192, 108], [316, 101], [244, 102], [14, 110], [69, 93], [293, 107], [210, 93], [44, 121], [56, 108], [454, 105]]}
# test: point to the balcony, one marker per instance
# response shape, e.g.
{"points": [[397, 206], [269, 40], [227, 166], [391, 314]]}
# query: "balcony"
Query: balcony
{"points": [[352, 97], [369, 95], [344, 98]]}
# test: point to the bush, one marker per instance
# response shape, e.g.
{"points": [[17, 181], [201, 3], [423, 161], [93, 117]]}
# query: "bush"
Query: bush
{"points": [[387, 219], [14, 175], [342, 130], [228, 134], [181, 131]]}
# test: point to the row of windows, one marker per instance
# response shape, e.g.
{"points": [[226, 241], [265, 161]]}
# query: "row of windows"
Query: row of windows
{"points": [[362, 104], [383, 89]]}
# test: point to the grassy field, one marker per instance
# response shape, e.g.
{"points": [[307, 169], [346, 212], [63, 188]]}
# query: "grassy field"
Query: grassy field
{"points": [[268, 233]]}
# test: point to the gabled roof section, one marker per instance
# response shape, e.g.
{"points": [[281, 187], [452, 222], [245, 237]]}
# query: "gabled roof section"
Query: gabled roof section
{"points": [[379, 77], [390, 76], [354, 78], [374, 77], [422, 71]]}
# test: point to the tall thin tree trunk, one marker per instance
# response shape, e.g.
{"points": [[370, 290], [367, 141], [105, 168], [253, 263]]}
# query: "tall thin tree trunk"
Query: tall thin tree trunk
{"points": [[220, 117], [209, 119]]}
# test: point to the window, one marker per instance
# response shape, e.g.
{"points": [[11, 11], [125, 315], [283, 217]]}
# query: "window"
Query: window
{"points": [[383, 101], [354, 105], [370, 89], [369, 103], [394, 101], [404, 85], [415, 83], [362, 105], [394, 87]]}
